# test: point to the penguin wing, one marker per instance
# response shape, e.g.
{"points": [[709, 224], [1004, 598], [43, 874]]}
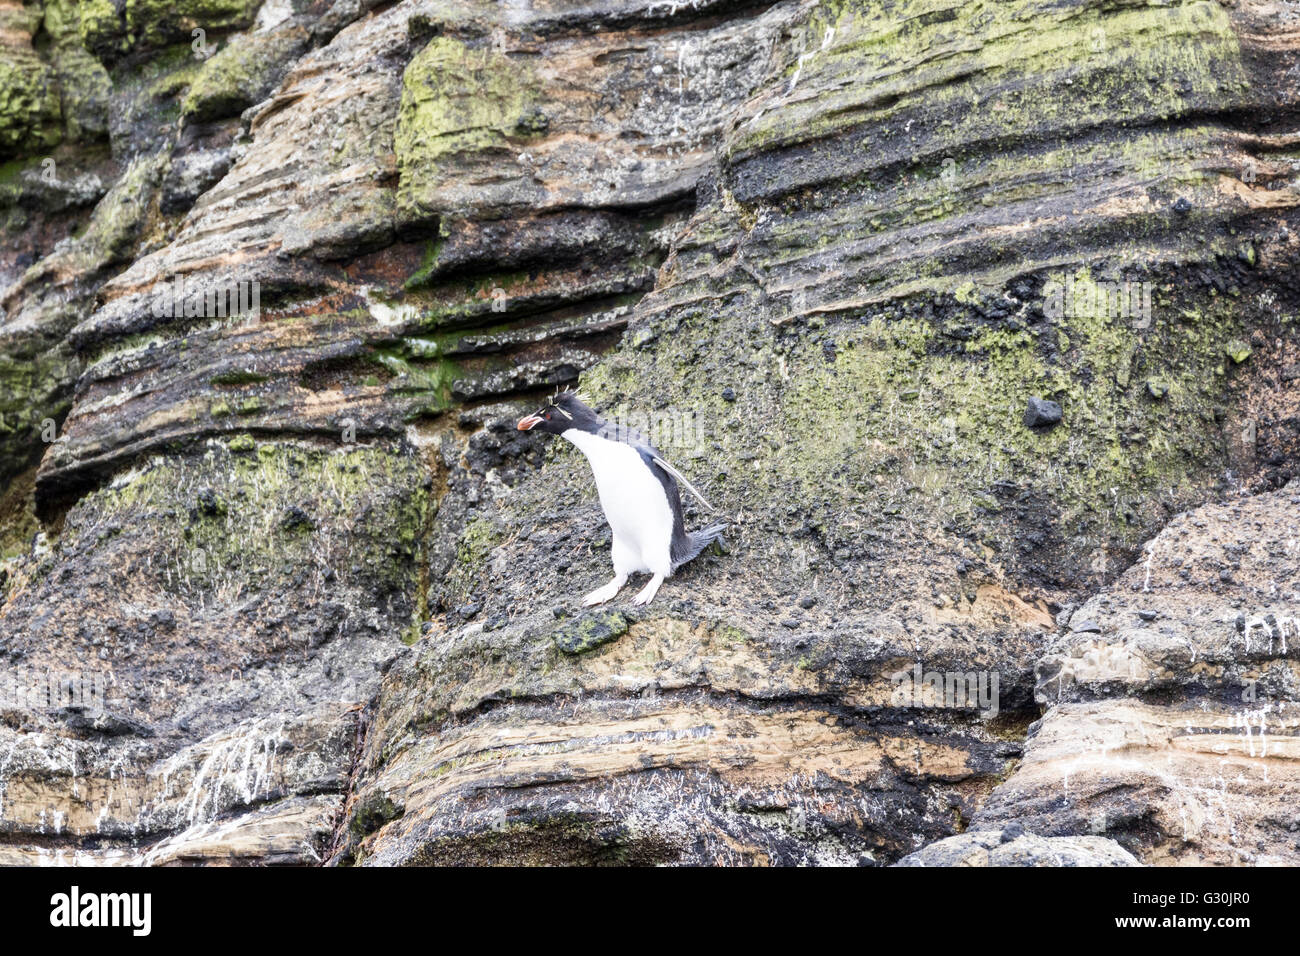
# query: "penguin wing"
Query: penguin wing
{"points": [[684, 546], [682, 478]]}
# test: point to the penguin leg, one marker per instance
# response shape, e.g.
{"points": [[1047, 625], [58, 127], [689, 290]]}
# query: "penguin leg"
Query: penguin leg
{"points": [[601, 595], [624, 564], [647, 593]]}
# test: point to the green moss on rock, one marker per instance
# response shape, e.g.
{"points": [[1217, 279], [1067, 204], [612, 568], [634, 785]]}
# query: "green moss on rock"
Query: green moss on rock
{"points": [[230, 521], [30, 115], [589, 631], [34, 388], [121, 216], [373, 811], [1237, 350], [84, 90], [61, 19], [159, 22], [242, 72], [480, 537], [109, 29], [1082, 59], [84, 85], [103, 28], [457, 101]]}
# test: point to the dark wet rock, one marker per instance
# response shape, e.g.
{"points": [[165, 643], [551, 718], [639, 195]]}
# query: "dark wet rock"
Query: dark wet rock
{"points": [[209, 505], [589, 631], [190, 176], [1041, 413], [295, 519]]}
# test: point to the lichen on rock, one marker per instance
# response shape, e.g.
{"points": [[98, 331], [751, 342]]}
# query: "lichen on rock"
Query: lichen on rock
{"points": [[242, 73], [456, 100], [30, 112], [589, 631]]}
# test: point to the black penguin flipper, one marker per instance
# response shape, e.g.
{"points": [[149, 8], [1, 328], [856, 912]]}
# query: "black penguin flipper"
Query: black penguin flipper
{"points": [[669, 484], [695, 542], [684, 546]]}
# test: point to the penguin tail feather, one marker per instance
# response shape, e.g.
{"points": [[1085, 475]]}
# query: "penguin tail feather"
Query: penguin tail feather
{"points": [[696, 542]]}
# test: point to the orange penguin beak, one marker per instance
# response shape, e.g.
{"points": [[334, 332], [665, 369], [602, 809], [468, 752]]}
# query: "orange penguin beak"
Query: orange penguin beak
{"points": [[528, 422]]}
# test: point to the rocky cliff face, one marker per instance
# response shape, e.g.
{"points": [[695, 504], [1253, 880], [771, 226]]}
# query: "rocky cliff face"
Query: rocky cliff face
{"points": [[279, 277]]}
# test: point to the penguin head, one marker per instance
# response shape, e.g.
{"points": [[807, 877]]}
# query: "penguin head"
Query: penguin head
{"points": [[564, 411]]}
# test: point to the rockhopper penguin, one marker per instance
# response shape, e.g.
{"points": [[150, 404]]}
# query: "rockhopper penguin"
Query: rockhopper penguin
{"points": [[638, 490]]}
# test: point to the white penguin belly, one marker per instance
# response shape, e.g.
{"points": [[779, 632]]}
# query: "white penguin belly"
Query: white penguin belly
{"points": [[633, 499]]}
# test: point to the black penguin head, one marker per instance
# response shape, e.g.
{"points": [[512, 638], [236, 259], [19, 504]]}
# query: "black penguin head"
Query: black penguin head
{"points": [[564, 411]]}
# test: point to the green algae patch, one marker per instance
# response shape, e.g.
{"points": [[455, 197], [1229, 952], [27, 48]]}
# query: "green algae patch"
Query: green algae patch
{"points": [[30, 114], [159, 22], [944, 417], [953, 75], [34, 389], [121, 217], [18, 524], [907, 418], [108, 29], [479, 539], [238, 377], [84, 93], [102, 28], [241, 73], [428, 268], [590, 631], [457, 101], [414, 370], [231, 523], [62, 19], [373, 811]]}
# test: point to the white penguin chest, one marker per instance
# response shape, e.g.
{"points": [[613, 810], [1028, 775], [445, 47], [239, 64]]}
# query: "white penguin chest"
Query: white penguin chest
{"points": [[632, 497]]}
